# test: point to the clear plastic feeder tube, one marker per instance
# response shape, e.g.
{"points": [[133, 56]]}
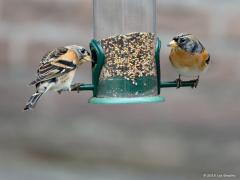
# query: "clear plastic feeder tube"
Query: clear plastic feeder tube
{"points": [[113, 17], [126, 31]]}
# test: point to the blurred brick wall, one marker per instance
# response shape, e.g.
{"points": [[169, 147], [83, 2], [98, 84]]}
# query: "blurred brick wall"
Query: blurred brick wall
{"points": [[193, 131], [29, 28], [214, 22]]}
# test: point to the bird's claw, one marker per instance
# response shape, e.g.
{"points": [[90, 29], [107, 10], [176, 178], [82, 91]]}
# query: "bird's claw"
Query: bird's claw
{"points": [[179, 83], [62, 90], [195, 83], [76, 87]]}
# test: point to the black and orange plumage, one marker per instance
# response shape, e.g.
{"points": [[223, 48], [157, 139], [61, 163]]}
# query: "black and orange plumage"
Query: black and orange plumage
{"points": [[56, 71], [188, 56]]}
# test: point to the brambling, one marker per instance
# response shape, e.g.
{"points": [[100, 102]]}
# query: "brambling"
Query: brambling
{"points": [[188, 56], [56, 71]]}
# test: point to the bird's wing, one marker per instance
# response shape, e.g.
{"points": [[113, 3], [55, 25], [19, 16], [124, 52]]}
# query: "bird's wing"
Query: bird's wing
{"points": [[194, 46], [54, 64], [205, 57], [200, 47]]}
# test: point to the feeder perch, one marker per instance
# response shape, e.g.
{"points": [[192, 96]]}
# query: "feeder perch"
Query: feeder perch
{"points": [[126, 66]]}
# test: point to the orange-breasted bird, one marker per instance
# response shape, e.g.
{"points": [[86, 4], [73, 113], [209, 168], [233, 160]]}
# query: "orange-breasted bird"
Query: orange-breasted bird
{"points": [[56, 71], [188, 56]]}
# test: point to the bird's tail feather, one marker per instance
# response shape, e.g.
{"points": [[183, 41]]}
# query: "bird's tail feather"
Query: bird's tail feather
{"points": [[33, 100]]}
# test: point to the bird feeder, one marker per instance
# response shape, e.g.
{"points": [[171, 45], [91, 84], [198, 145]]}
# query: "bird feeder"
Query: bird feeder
{"points": [[126, 54]]}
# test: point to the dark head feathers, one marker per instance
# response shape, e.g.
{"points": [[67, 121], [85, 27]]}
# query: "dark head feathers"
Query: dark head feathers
{"points": [[189, 43]]}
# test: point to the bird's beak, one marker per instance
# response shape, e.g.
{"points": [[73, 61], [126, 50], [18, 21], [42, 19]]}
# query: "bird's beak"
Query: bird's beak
{"points": [[87, 58], [173, 43]]}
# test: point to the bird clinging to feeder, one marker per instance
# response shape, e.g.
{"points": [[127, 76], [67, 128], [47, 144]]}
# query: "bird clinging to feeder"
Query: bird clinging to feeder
{"points": [[188, 56], [56, 71]]}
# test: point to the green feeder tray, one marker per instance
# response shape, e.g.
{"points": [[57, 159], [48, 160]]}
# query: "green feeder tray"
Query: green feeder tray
{"points": [[117, 89], [135, 100], [123, 91]]}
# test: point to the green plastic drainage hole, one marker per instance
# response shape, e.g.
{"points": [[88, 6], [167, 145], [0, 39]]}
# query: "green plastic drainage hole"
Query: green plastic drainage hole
{"points": [[130, 100]]}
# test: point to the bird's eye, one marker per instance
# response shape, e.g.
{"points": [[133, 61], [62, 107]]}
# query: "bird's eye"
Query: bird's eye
{"points": [[83, 51], [181, 40]]}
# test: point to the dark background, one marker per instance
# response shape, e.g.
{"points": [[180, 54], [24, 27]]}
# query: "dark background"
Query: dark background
{"points": [[65, 138]]}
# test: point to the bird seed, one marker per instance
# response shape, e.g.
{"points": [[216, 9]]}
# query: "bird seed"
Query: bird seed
{"points": [[129, 56]]}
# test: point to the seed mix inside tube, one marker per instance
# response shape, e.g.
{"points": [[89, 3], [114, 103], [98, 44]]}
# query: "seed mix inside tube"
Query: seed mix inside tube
{"points": [[129, 56]]}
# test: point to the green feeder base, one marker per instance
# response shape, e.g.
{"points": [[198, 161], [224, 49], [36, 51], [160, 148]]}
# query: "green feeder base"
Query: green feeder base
{"points": [[131, 100]]}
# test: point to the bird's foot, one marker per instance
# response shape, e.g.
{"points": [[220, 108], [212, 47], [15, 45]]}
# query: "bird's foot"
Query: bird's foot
{"points": [[179, 83], [62, 90], [76, 87], [195, 83]]}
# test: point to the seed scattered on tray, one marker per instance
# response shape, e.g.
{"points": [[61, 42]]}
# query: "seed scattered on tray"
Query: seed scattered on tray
{"points": [[130, 56]]}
